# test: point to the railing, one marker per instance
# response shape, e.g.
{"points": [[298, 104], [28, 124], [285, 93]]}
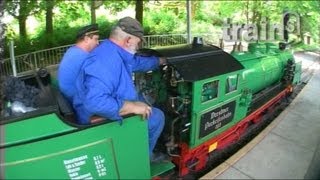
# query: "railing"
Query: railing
{"points": [[42, 58], [175, 39], [164, 40], [53, 56]]}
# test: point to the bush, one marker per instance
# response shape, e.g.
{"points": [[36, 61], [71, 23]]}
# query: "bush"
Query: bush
{"points": [[62, 35], [105, 27], [160, 22]]}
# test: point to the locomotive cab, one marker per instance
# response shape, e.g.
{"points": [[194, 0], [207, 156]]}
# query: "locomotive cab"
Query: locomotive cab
{"points": [[201, 94]]}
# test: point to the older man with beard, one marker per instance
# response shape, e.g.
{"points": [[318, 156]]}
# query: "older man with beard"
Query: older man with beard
{"points": [[105, 86]]}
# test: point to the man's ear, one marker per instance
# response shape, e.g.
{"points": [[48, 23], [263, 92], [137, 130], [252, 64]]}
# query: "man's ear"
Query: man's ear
{"points": [[86, 38], [127, 41]]}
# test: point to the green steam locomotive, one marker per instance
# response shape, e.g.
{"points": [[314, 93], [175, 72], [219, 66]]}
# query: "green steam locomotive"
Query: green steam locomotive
{"points": [[210, 99]]}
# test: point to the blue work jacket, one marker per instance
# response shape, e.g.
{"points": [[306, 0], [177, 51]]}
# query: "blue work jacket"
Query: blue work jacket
{"points": [[69, 69], [105, 81]]}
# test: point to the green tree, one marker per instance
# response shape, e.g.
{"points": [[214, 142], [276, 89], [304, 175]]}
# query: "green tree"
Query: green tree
{"points": [[116, 5], [21, 10]]}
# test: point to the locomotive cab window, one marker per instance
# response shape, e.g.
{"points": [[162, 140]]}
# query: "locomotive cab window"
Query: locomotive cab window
{"points": [[209, 91], [231, 84]]}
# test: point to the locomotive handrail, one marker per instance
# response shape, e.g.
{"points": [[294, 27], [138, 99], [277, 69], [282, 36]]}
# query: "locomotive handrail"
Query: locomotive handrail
{"points": [[192, 56]]}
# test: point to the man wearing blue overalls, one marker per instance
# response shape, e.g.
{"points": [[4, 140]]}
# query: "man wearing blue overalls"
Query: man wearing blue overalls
{"points": [[105, 86]]}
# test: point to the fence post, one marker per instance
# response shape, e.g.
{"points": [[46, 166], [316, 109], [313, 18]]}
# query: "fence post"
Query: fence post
{"points": [[12, 58], [240, 47], [221, 43], [35, 60], [189, 21]]}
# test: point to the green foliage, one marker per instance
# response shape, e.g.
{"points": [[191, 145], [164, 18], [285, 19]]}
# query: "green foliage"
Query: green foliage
{"points": [[309, 15], [208, 14], [116, 6], [21, 46], [160, 17], [22, 7], [160, 22], [43, 41], [9, 32], [60, 37], [104, 27], [72, 14], [21, 10]]}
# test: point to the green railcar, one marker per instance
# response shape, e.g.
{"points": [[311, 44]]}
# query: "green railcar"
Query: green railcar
{"points": [[209, 98]]}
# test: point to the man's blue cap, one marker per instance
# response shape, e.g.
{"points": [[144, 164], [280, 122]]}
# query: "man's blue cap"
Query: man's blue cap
{"points": [[87, 30]]}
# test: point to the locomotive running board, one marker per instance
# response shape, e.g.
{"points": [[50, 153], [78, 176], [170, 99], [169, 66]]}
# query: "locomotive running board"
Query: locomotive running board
{"points": [[264, 96]]}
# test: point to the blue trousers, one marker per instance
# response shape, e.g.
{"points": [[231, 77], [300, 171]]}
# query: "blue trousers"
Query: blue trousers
{"points": [[155, 127]]}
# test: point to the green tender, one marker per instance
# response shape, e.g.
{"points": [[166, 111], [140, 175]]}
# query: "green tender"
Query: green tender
{"points": [[59, 151]]}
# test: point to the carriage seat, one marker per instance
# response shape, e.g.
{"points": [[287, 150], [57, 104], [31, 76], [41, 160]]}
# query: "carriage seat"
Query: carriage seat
{"points": [[67, 110]]}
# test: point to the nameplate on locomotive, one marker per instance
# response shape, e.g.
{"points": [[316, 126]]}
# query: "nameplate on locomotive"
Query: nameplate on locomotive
{"points": [[216, 118]]}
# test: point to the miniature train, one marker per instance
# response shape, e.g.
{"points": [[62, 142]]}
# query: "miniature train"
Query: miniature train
{"points": [[210, 99]]}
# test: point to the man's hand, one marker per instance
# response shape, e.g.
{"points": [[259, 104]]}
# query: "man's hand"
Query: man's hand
{"points": [[142, 109], [136, 107]]}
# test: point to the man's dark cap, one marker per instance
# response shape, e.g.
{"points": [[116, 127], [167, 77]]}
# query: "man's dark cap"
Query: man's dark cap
{"points": [[131, 26], [87, 30]]}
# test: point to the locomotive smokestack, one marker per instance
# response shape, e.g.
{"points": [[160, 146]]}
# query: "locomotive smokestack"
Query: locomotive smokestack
{"points": [[197, 41]]}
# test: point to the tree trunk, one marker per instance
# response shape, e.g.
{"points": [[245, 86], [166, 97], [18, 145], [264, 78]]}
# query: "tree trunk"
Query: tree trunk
{"points": [[247, 11], [93, 11], [255, 12], [22, 26], [301, 29], [49, 17], [139, 11], [194, 8]]}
